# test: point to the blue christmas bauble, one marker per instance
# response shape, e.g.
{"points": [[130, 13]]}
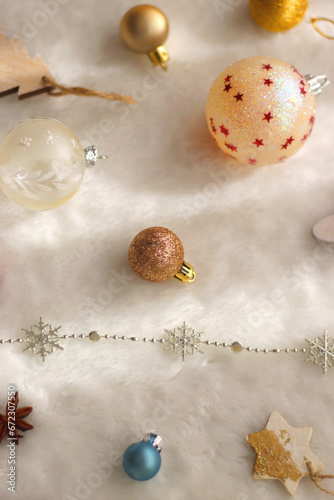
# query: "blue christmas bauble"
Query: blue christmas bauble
{"points": [[142, 460]]}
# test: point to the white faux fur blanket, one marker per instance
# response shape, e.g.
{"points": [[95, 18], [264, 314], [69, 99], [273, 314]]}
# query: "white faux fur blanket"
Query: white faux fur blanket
{"points": [[261, 277]]}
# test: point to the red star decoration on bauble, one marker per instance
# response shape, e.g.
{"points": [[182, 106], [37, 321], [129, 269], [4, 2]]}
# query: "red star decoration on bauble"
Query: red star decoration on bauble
{"points": [[231, 147], [287, 143], [311, 124], [295, 70], [258, 142], [238, 97], [268, 82], [303, 91], [214, 130], [268, 116], [252, 161], [224, 130], [227, 87], [267, 67], [228, 78]]}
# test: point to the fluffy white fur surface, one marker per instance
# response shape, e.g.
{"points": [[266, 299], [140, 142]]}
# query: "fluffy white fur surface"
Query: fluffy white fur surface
{"points": [[261, 277]]}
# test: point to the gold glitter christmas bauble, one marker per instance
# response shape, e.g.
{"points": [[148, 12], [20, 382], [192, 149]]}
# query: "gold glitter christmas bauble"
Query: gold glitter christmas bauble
{"points": [[277, 15], [260, 111], [156, 254]]}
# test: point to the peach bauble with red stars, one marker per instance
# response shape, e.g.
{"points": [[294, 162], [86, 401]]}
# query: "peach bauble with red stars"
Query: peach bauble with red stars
{"points": [[260, 111]]}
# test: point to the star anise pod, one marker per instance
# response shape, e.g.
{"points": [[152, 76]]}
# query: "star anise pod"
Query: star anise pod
{"points": [[19, 423]]}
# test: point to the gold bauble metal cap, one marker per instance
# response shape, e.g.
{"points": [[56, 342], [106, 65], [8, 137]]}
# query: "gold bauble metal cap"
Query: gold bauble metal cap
{"points": [[144, 29], [156, 254]]}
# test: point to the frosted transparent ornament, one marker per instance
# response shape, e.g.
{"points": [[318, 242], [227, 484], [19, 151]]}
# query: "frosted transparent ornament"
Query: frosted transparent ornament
{"points": [[42, 164]]}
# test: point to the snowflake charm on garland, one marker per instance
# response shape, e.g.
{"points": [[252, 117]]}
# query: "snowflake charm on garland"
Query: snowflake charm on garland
{"points": [[184, 340], [43, 339], [321, 352], [38, 337]]}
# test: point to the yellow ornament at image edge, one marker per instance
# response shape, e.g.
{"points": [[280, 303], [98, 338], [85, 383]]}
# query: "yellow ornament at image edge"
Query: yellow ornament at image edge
{"points": [[277, 15]]}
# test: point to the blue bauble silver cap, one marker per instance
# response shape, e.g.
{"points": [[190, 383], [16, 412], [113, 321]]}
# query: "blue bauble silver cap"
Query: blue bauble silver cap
{"points": [[142, 460]]}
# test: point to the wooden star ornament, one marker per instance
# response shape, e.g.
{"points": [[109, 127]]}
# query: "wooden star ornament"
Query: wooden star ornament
{"points": [[29, 76], [283, 452], [18, 71]]}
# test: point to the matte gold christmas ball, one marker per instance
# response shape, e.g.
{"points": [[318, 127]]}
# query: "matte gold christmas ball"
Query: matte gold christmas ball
{"points": [[144, 28], [156, 254], [277, 15]]}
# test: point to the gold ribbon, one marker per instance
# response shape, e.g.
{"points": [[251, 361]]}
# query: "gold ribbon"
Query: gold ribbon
{"points": [[314, 21]]}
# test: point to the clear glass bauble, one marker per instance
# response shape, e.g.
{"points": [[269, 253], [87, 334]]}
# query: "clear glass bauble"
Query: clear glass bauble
{"points": [[42, 164]]}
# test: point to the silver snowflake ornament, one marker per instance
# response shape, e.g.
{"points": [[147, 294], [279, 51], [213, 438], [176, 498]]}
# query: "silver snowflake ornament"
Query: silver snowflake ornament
{"points": [[321, 352], [183, 341], [42, 339]]}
